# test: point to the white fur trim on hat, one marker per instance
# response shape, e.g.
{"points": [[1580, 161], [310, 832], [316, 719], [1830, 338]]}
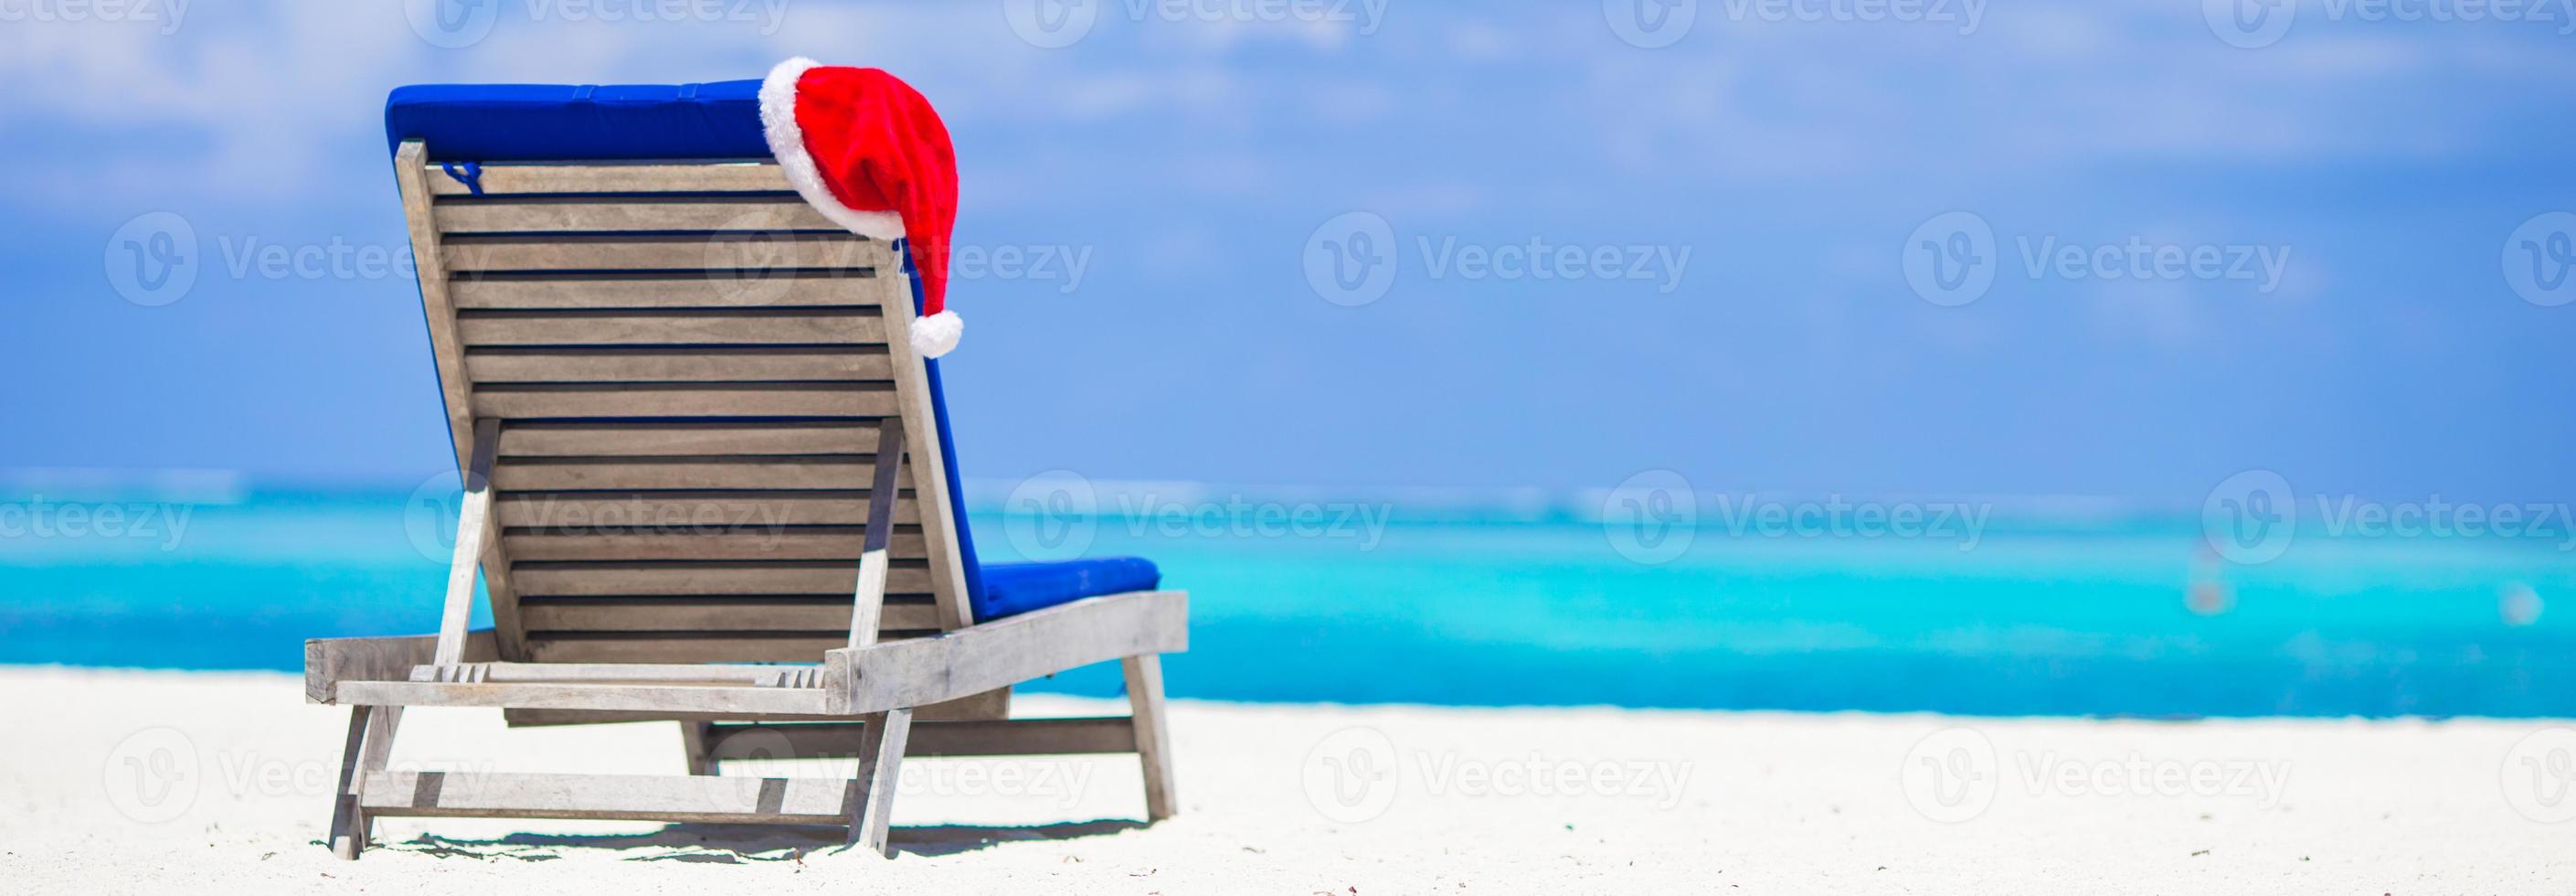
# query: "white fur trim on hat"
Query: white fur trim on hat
{"points": [[787, 142], [933, 336]]}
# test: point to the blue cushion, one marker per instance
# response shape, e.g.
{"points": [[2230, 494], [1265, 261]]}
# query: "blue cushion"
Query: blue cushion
{"points": [[539, 123], [720, 120], [1020, 587]]}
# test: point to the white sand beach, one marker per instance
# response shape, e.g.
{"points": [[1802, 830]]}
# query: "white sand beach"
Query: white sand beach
{"points": [[144, 782]]}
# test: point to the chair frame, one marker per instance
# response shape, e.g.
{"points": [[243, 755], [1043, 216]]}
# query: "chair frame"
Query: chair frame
{"points": [[946, 694]]}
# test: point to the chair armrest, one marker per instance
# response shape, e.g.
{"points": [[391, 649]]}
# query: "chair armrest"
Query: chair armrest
{"points": [[919, 671], [329, 661]]}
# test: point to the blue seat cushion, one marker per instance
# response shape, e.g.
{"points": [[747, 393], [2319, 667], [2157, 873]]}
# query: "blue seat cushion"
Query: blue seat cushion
{"points": [[1011, 588], [544, 123], [719, 120]]}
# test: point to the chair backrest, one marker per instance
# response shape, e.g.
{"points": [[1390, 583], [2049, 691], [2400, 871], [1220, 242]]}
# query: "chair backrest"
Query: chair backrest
{"points": [[690, 368]]}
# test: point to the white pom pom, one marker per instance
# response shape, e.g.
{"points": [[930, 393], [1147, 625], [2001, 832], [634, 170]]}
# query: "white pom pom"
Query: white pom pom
{"points": [[933, 336]]}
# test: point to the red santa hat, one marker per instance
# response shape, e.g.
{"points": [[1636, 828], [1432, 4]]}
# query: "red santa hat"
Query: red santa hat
{"points": [[867, 151]]}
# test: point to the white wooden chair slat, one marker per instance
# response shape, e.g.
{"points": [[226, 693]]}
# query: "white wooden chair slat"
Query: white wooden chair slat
{"points": [[597, 365], [623, 579], [744, 508], [759, 289], [624, 401], [602, 214], [693, 177], [527, 440], [670, 327], [685, 615], [753, 542], [683, 647], [630, 473], [765, 253]]}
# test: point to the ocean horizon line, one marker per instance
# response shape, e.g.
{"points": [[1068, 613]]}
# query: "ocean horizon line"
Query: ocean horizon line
{"points": [[1145, 497]]}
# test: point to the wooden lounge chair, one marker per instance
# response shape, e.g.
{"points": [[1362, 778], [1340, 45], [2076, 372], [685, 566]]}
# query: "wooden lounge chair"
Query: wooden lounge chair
{"points": [[708, 481]]}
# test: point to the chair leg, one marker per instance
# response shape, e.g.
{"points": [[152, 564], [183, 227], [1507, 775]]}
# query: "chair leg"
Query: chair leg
{"points": [[344, 799], [370, 743], [1153, 734], [881, 746], [694, 740]]}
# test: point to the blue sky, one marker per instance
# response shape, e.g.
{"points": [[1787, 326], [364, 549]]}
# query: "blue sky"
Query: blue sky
{"points": [[1760, 179]]}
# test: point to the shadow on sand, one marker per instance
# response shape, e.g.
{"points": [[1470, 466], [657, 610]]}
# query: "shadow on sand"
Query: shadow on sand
{"points": [[735, 844]]}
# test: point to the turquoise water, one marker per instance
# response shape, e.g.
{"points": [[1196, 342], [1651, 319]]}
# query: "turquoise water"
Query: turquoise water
{"points": [[2039, 617]]}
